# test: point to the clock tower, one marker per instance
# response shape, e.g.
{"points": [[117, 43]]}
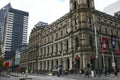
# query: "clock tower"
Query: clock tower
{"points": [[82, 19], [76, 4]]}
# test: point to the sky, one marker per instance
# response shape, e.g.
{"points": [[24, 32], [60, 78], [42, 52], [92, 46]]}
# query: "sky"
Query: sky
{"points": [[47, 10]]}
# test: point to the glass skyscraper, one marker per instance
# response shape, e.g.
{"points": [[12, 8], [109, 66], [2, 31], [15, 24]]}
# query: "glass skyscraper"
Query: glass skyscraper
{"points": [[13, 29]]}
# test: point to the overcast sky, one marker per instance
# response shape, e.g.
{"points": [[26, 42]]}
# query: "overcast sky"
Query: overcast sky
{"points": [[47, 10]]}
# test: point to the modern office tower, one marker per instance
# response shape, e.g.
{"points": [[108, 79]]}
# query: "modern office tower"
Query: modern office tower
{"points": [[113, 8], [13, 29]]}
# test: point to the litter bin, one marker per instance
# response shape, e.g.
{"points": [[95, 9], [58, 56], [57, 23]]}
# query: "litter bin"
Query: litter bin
{"points": [[25, 79]]}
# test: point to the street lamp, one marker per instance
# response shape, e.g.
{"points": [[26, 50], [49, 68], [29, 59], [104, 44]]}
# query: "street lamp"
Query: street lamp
{"points": [[36, 57], [113, 43], [96, 47], [62, 57]]}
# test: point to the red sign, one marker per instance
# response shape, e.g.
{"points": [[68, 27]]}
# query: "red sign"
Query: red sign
{"points": [[104, 44], [6, 64]]}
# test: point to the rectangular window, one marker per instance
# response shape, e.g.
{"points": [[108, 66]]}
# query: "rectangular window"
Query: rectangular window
{"points": [[61, 33], [44, 51], [105, 30], [111, 32], [48, 49], [61, 46], [56, 47], [88, 3], [56, 35], [67, 44], [117, 33], [52, 48], [75, 5]]}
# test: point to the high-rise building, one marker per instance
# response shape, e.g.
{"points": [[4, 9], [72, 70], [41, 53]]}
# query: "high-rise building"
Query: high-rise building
{"points": [[13, 29], [112, 8]]}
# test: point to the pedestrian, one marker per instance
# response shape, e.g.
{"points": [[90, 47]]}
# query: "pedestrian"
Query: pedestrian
{"points": [[26, 72], [59, 72], [22, 73], [117, 73], [65, 72], [87, 73], [105, 73], [80, 72]]}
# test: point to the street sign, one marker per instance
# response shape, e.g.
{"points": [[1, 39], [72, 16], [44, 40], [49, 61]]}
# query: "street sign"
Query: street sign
{"points": [[113, 64]]}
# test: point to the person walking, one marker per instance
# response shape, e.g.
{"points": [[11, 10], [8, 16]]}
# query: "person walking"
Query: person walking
{"points": [[59, 72], [26, 72], [80, 72], [87, 72]]}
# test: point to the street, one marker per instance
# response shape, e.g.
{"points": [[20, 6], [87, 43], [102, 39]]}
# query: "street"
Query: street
{"points": [[63, 77]]}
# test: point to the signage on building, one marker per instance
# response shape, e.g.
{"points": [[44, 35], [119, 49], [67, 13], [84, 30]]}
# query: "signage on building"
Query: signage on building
{"points": [[113, 41], [104, 44]]}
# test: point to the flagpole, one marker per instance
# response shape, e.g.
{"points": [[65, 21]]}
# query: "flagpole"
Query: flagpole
{"points": [[113, 43]]}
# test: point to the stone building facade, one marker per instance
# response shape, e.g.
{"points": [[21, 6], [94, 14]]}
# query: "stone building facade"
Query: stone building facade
{"points": [[74, 41], [24, 60]]}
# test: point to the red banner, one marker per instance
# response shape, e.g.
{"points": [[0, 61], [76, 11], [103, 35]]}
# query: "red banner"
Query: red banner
{"points": [[104, 44]]}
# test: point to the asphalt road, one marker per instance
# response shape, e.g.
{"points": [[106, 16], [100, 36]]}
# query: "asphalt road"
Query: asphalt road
{"points": [[67, 77]]}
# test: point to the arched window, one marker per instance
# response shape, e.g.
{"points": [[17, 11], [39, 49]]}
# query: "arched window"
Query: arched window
{"points": [[67, 45], [91, 43]]}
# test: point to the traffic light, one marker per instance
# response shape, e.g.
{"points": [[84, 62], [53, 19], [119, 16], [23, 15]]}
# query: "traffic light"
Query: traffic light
{"points": [[92, 59]]}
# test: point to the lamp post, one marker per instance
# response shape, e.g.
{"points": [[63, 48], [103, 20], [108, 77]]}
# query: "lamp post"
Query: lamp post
{"points": [[36, 58], [96, 47], [62, 57], [113, 43], [104, 48]]}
